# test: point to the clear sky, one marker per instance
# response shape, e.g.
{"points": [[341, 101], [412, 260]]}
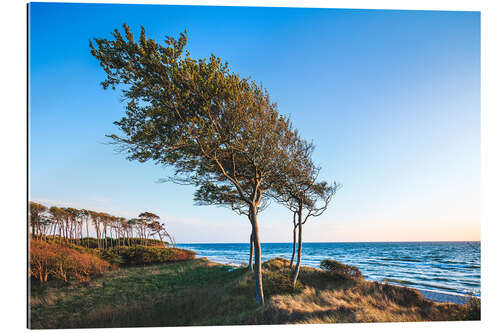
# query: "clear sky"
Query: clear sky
{"points": [[391, 100]]}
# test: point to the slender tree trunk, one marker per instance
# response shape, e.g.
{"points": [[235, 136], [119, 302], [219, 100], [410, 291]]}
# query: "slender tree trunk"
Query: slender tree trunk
{"points": [[161, 240], [259, 291], [88, 239], [60, 232], [294, 242], [67, 232], [105, 237], [70, 232], [98, 234], [299, 250], [250, 266]]}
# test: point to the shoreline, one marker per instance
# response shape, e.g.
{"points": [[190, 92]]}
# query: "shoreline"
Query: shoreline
{"points": [[435, 296], [441, 297]]}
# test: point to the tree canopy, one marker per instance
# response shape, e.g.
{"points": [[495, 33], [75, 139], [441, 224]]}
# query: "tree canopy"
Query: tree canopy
{"points": [[215, 128], [218, 131]]}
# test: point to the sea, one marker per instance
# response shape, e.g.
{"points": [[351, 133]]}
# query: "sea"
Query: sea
{"points": [[445, 267]]}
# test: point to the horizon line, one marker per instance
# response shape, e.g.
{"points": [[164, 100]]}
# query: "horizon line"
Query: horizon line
{"points": [[425, 241]]}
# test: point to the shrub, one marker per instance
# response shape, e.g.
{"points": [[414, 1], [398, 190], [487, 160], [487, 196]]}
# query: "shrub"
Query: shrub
{"points": [[472, 309], [276, 264], [139, 255], [110, 242], [54, 261], [341, 269], [279, 283]]}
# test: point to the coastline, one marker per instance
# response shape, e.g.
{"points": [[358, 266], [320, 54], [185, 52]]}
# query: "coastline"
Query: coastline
{"points": [[440, 297], [435, 296]]}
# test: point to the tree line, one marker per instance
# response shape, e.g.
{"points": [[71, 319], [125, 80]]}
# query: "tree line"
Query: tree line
{"points": [[220, 133], [70, 224]]}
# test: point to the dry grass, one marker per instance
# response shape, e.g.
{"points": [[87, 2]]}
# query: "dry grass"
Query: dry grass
{"points": [[328, 298], [199, 292]]}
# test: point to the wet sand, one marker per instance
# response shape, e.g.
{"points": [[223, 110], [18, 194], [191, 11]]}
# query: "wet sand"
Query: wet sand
{"points": [[443, 297]]}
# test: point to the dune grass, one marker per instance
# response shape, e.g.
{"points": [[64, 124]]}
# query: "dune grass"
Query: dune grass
{"points": [[199, 292]]}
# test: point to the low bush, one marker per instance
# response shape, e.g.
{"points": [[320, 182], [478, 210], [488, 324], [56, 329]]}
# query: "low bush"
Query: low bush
{"points": [[341, 269], [53, 261], [472, 309], [280, 283], [141, 255], [276, 264], [92, 243]]}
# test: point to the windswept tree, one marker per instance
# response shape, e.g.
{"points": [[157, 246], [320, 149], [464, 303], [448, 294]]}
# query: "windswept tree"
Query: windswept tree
{"points": [[123, 226], [142, 228], [85, 216], [149, 217], [155, 227], [206, 122], [96, 222], [58, 215], [158, 229], [36, 211], [299, 191], [71, 223], [133, 225], [315, 203]]}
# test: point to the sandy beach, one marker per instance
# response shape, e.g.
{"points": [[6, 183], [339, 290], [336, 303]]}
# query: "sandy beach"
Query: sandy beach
{"points": [[443, 297]]}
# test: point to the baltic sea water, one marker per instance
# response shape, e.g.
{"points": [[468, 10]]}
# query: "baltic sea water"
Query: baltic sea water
{"points": [[448, 267]]}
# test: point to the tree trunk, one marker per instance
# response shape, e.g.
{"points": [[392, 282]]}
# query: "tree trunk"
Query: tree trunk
{"points": [[294, 242], [299, 249], [60, 233], [88, 239], [259, 291], [98, 233], [250, 266], [161, 240]]}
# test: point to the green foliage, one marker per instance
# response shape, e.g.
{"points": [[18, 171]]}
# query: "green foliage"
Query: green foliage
{"points": [[340, 269], [35, 216], [193, 114], [143, 255], [113, 242], [91, 243]]}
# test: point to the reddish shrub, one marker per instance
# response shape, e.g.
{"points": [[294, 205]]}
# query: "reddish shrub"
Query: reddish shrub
{"points": [[54, 261]]}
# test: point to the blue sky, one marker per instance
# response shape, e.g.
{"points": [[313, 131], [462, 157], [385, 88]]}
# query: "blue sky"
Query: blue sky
{"points": [[391, 100]]}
